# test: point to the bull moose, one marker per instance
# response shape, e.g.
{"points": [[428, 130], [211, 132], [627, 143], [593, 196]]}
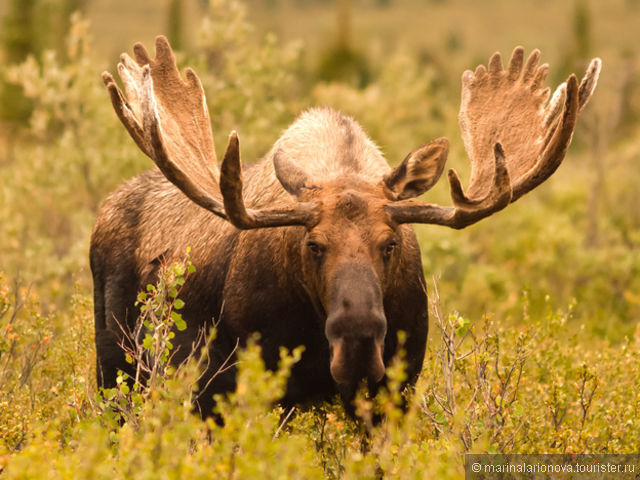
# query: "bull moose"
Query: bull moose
{"points": [[310, 246]]}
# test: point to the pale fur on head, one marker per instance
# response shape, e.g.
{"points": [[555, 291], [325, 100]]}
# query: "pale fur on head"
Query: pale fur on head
{"points": [[326, 145]]}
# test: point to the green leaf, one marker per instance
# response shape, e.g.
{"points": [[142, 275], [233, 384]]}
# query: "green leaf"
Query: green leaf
{"points": [[177, 319], [179, 269]]}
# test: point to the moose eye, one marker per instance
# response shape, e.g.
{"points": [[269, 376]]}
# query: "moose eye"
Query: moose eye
{"points": [[388, 249], [315, 248]]}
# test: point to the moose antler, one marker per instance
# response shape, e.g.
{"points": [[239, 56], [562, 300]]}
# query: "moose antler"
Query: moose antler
{"points": [[514, 139], [168, 119]]}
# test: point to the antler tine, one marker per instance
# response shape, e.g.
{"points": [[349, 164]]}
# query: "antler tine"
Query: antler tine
{"points": [[501, 188], [589, 82], [231, 185], [507, 108]]}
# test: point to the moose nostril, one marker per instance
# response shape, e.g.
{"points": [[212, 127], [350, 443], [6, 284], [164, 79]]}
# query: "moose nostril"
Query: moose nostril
{"points": [[354, 358], [346, 303]]}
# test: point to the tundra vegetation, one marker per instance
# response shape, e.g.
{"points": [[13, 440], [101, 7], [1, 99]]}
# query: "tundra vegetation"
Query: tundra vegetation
{"points": [[534, 345]]}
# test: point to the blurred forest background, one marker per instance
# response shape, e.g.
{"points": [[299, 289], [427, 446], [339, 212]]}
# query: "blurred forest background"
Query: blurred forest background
{"points": [[564, 258]]}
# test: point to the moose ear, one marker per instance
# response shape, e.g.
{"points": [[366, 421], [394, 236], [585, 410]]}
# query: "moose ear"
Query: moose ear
{"points": [[290, 176], [419, 171]]}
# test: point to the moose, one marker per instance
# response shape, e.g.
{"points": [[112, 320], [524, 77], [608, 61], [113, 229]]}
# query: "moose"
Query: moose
{"points": [[312, 245]]}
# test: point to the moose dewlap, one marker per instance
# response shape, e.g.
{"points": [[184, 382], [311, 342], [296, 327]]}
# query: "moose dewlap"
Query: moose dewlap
{"points": [[312, 245]]}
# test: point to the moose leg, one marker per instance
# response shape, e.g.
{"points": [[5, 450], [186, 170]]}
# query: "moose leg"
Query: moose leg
{"points": [[112, 324], [110, 358]]}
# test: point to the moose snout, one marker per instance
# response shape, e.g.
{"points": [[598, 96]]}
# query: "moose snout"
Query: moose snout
{"points": [[356, 358], [356, 327]]}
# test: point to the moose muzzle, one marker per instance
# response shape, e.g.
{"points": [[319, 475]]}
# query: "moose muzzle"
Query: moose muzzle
{"points": [[356, 326]]}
